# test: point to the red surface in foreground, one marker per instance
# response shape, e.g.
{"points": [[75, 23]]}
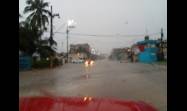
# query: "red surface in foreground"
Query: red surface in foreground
{"points": [[80, 104]]}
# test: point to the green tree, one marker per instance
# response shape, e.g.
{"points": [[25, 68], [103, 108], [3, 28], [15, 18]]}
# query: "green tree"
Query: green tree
{"points": [[30, 35], [38, 18], [28, 38], [44, 49], [29, 43]]}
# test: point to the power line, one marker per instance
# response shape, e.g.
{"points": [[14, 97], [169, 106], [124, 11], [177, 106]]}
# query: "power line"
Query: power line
{"points": [[60, 27], [107, 35]]}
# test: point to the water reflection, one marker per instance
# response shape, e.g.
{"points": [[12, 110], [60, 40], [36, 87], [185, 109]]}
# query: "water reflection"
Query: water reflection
{"points": [[87, 98], [87, 69]]}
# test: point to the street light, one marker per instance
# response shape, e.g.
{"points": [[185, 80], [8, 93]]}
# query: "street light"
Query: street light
{"points": [[70, 24]]}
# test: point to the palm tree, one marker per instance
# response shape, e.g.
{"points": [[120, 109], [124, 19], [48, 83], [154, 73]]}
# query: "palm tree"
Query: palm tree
{"points": [[39, 18], [39, 13], [27, 38]]}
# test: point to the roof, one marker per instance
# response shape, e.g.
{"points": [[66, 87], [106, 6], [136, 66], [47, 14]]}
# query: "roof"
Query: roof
{"points": [[36, 54], [148, 42]]}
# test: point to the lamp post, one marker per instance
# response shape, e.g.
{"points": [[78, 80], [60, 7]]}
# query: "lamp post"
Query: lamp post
{"points": [[70, 24], [67, 31]]}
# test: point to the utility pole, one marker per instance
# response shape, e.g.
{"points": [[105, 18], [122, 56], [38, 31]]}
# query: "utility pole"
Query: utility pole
{"points": [[162, 52], [51, 33], [162, 35], [67, 31], [51, 20], [70, 24]]}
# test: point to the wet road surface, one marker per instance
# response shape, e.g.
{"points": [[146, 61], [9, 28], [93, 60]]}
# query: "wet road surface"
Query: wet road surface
{"points": [[106, 79]]}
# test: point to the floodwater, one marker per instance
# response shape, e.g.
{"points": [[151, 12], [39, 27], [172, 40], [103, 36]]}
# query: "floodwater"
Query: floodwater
{"points": [[105, 79]]}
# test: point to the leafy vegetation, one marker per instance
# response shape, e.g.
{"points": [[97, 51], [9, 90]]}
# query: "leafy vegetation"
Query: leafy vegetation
{"points": [[39, 13], [32, 29]]}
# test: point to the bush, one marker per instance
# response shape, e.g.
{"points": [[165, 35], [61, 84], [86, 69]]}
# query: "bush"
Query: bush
{"points": [[41, 64], [45, 63]]}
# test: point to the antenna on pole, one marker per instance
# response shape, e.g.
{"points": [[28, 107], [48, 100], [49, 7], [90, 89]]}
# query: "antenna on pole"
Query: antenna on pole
{"points": [[146, 31]]}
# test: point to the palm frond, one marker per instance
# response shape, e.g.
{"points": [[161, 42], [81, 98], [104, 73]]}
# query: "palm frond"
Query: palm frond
{"points": [[45, 19], [29, 2], [45, 4], [39, 15], [30, 20], [52, 41], [46, 12], [28, 9], [31, 15]]}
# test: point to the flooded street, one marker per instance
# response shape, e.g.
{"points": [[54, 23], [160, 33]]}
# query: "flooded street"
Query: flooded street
{"points": [[106, 79]]}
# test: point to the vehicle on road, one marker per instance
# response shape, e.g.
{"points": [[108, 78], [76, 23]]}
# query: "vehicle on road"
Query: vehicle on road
{"points": [[77, 61], [89, 62], [81, 104]]}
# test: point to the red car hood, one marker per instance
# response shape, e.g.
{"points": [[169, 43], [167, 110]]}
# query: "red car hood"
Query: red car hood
{"points": [[80, 104]]}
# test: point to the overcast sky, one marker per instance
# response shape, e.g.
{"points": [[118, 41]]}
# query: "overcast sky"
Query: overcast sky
{"points": [[122, 17]]}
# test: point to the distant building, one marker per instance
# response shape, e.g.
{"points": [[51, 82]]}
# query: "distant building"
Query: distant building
{"points": [[79, 51], [74, 48], [148, 50], [120, 53]]}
